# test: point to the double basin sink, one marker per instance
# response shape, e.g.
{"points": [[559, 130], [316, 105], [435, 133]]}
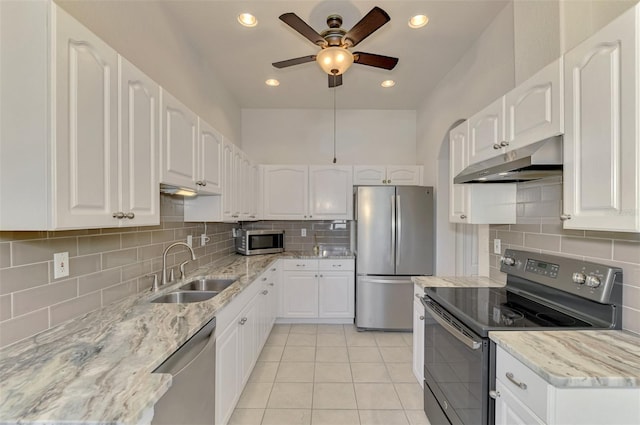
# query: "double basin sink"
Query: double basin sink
{"points": [[195, 291]]}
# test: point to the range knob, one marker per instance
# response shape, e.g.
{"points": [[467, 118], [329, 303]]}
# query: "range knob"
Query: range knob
{"points": [[593, 281], [579, 278], [508, 261]]}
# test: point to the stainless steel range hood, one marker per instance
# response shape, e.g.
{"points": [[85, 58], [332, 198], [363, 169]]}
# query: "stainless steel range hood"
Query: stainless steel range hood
{"points": [[536, 161]]}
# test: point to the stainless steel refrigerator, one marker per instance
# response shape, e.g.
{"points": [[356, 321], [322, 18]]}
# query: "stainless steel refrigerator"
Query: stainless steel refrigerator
{"points": [[394, 241]]}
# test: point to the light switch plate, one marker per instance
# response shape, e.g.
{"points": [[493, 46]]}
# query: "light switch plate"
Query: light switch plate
{"points": [[60, 265], [497, 249]]}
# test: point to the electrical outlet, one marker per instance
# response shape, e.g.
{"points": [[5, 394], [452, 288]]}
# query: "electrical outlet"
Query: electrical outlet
{"points": [[60, 265], [203, 239], [496, 246], [303, 232], [189, 240]]}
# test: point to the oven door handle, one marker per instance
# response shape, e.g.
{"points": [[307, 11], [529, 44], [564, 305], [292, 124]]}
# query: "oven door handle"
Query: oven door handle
{"points": [[469, 342]]}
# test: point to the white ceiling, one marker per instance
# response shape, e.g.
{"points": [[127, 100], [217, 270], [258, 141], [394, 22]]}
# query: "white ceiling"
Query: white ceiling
{"points": [[241, 57]]}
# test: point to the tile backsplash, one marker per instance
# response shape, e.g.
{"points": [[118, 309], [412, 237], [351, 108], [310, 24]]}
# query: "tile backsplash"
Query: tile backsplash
{"points": [[333, 233], [106, 265], [538, 228]]}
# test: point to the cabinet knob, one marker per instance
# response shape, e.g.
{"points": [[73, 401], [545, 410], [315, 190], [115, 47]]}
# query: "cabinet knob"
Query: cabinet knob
{"points": [[204, 183], [504, 143], [321, 276], [384, 182], [263, 279], [271, 284], [118, 214], [462, 216], [310, 216], [273, 269], [389, 181], [130, 215], [243, 321], [315, 275], [565, 217], [265, 292], [494, 394], [496, 146], [421, 317]]}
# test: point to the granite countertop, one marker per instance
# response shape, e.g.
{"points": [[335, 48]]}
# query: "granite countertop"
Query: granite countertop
{"points": [[324, 255], [457, 282], [97, 368], [577, 359]]}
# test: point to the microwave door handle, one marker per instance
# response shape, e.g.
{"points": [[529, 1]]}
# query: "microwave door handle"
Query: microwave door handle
{"points": [[469, 342]]}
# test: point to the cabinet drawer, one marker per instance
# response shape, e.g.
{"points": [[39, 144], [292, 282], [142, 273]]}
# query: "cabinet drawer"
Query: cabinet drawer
{"points": [[510, 371], [336, 265], [311, 265]]}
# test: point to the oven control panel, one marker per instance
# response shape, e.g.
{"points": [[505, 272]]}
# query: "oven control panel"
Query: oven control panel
{"points": [[589, 280]]}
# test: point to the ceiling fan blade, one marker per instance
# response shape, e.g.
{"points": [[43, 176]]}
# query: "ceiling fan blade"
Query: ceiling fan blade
{"points": [[335, 80], [366, 26], [295, 22], [379, 61], [294, 61]]}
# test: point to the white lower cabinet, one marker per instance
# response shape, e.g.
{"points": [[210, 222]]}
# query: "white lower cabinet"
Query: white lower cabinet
{"points": [[418, 335], [523, 397], [318, 290]]}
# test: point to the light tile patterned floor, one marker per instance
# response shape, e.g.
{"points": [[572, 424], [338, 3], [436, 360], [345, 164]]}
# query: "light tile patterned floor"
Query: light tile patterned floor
{"points": [[332, 375]]}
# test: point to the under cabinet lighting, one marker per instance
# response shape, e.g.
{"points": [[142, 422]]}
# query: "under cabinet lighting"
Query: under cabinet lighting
{"points": [[247, 20]]}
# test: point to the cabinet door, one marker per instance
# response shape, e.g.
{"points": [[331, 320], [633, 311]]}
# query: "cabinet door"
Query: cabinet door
{"points": [[418, 337], [458, 193], [86, 145], [247, 188], [300, 294], [404, 175], [486, 132], [369, 175], [286, 194], [228, 382], [254, 195], [209, 160], [249, 323], [228, 192], [179, 143], [336, 295], [510, 410], [535, 109], [139, 147], [330, 193], [602, 140]]}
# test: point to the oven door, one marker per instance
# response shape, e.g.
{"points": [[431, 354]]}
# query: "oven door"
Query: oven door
{"points": [[456, 370]]}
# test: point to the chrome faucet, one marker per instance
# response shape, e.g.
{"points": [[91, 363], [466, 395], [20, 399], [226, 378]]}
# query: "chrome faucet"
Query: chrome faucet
{"points": [[164, 259]]}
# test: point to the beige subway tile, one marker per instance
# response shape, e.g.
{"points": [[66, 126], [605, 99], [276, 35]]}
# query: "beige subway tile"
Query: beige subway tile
{"points": [[72, 233], [631, 296], [5, 255], [111, 230], [118, 292], [598, 248], [136, 270], [512, 238], [626, 251], [530, 194], [630, 320], [96, 281], [97, 244], [23, 326], [552, 192], [135, 239], [20, 236], [547, 242], [555, 228], [75, 307], [37, 251], [613, 235], [150, 251], [23, 277], [80, 266], [542, 209], [119, 258], [43, 296], [5, 307], [160, 236], [525, 227]]}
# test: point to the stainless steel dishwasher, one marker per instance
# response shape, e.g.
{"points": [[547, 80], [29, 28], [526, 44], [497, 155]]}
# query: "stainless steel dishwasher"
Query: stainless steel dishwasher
{"points": [[191, 397]]}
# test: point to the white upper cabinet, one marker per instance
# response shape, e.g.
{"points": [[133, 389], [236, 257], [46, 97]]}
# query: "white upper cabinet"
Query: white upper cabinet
{"points": [[486, 132], [139, 147], [330, 192], [286, 192], [179, 143], [228, 192], [458, 193], [535, 109], [209, 159], [602, 134], [375, 175]]}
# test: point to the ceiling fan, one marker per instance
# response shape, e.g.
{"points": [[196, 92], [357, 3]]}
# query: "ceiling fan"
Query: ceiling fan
{"points": [[334, 57]]}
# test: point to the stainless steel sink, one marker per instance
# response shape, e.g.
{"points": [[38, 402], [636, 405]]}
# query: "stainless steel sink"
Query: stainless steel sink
{"points": [[216, 285], [182, 297]]}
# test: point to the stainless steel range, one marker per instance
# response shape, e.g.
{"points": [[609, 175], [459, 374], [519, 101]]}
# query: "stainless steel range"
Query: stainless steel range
{"points": [[543, 292]]}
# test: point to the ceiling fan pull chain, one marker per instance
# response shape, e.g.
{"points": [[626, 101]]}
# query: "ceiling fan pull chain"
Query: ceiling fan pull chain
{"points": [[334, 125]]}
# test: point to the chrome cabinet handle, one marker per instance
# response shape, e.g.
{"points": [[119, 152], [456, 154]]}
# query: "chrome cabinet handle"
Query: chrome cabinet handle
{"points": [[389, 181], [462, 216], [418, 296], [265, 292], [504, 143], [384, 182], [421, 317], [565, 217], [118, 214], [336, 265], [517, 383], [301, 265], [494, 394], [496, 146], [243, 321], [130, 215]]}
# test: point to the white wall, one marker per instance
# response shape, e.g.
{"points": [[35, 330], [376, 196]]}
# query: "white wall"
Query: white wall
{"points": [[484, 73], [305, 136], [161, 52]]}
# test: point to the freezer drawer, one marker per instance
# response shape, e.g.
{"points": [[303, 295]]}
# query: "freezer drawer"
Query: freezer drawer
{"points": [[384, 302]]}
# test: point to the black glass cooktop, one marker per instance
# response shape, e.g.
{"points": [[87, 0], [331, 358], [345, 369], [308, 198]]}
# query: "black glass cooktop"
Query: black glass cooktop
{"points": [[492, 309]]}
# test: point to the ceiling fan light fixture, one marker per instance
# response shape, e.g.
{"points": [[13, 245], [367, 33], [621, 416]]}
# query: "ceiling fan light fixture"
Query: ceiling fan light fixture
{"points": [[334, 60], [272, 82], [388, 83], [418, 21], [247, 20]]}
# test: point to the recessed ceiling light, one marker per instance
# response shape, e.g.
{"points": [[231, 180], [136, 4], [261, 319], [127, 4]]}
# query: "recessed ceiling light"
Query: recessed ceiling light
{"points": [[418, 21], [247, 20], [388, 83], [272, 82]]}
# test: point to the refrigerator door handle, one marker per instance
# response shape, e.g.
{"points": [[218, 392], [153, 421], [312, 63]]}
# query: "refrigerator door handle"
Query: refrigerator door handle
{"points": [[399, 224], [393, 228]]}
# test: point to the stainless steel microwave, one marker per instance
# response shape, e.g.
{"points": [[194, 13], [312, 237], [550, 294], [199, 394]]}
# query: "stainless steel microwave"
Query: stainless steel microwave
{"points": [[252, 242]]}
